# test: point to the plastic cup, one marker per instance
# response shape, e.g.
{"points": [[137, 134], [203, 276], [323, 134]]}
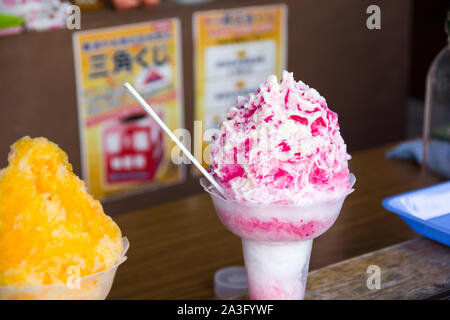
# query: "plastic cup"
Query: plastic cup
{"points": [[93, 287], [276, 240], [276, 270]]}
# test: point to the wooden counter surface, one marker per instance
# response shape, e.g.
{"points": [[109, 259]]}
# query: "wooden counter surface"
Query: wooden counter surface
{"points": [[175, 248], [412, 270]]}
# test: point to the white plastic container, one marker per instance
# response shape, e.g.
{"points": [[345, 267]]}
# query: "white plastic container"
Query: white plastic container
{"points": [[93, 287]]}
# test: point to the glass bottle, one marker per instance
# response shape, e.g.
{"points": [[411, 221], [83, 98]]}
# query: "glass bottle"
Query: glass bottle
{"points": [[436, 129]]}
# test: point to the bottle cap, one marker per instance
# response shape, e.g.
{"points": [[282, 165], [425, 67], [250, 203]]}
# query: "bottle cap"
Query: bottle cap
{"points": [[230, 282]]}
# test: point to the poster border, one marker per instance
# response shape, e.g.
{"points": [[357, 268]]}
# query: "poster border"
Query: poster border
{"points": [[180, 105]]}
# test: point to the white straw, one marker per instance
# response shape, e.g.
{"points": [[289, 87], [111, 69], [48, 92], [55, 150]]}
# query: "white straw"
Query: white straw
{"points": [[150, 111]]}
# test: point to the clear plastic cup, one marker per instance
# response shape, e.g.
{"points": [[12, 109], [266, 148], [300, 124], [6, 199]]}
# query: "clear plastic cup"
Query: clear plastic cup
{"points": [[276, 240], [93, 287]]}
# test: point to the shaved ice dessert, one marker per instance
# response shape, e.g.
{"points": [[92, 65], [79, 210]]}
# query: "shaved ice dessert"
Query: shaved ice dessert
{"points": [[283, 165], [52, 232]]}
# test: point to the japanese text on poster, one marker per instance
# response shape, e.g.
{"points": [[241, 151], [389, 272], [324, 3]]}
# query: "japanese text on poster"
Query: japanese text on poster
{"points": [[235, 50], [123, 149]]}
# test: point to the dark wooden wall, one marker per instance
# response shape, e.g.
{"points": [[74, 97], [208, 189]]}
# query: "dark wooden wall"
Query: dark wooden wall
{"points": [[362, 73], [428, 39]]}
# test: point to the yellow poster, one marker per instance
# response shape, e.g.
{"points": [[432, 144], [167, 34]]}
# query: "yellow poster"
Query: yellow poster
{"points": [[235, 50], [123, 150]]}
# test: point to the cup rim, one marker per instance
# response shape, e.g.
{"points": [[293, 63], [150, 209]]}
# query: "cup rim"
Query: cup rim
{"points": [[122, 259], [208, 187]]}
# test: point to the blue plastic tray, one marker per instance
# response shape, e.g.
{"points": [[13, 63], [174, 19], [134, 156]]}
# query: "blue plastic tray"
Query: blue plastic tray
{"points": [[437, 228]]}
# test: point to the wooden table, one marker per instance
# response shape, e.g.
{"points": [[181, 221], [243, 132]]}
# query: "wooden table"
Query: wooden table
{"points": [[415, 269], [175, 248]]}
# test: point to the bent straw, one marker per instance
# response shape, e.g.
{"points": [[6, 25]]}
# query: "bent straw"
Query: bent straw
{"points": [[153, 114]]}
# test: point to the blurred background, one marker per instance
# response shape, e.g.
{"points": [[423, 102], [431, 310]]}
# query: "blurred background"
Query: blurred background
{"points": [[373, 78]]}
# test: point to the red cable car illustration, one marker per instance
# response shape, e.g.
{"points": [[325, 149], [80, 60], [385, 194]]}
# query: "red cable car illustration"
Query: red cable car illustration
{"points": [[133, 148]]}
